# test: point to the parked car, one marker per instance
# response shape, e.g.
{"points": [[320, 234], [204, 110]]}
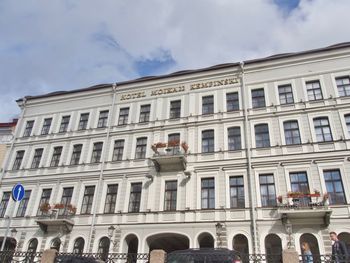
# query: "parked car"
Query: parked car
{"points": [[204, 255]]}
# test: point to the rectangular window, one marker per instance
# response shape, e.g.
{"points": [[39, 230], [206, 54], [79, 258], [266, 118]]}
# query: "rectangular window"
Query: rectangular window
{"points": [[145, 113], [208, 193], [234, 138], [4, 203], [237, 192], [45, 199], [141, 147], [37, 158], [343, 85], [258, 98], [334, 187], [170, 195], [267, 190], [232, 101], [87, 200], [208, 141], [96, 152], [262, 137], [111, 198], [208, 105], [76, 154], [286, 94], [46, 126], [66, 200], [299, 183], [18, 160], [323, 130], [135, 197], [56, 156], [314, 91], [118, 150], [64, 124], [291, 132], [123, 116], [28, 129], [22, 207], [347, 121], [175, 109], [102, 120], [84, 118]]}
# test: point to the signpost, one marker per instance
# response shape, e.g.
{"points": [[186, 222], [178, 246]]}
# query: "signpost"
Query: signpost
{"points": [[17, 196]]}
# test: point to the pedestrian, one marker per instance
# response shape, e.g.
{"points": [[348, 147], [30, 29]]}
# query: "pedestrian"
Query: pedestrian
{"points": [[307, 255], [339, 249]]}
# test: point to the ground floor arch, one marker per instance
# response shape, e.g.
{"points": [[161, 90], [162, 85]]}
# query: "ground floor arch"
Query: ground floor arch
{"points": [[10, 243], [168, 242], [312, 241], [240, 244], [205, 240], [131, 244], [345, 237]]}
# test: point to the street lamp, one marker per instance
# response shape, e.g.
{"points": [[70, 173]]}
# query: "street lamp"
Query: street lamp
{"points": [[13, 232]]}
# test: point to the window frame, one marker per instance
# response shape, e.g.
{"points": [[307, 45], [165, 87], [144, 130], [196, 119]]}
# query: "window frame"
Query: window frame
{"points": [[23, 204], [18, 160], [289, 133], [44, 198], [232, 103], [170, 195], [38, 154], [345, 87], [135, 197], [88, 199], [112, 204], [145, 113], [310, 90], [175, 109], [64, 124], [96, 152], [208, 141], [232, 135], [5, 199], [239, 188], [207, 104], [76, 154], [118, 150], [331, 193], [56, 156], [260, 136], [284, 96], [28, 129], [123, 118], [46, 126], [258, 100], [141, 148], [210, 192], [83, 121], [270, 202], [103, 119], [320, 129]]}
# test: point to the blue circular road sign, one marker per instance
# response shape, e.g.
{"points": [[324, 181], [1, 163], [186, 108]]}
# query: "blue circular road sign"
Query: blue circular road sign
{"points": [[18, 192]]}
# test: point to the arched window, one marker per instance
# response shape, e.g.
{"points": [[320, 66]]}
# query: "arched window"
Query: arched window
{"points": [[79, 245], [240, 244], [273, 248], [206, 240], [345, 237], [103, 248], [33, 245], [56, 244], [313, 244]]}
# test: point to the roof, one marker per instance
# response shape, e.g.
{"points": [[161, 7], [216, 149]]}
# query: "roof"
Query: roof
{"points": [[186, 72], [8, 124]]}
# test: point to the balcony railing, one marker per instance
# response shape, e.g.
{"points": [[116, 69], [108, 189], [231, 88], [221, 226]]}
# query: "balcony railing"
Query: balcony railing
{"points": [[53, 219]]}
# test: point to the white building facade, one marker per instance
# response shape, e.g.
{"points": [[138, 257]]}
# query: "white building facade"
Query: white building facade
{"points": [[192, 159]]}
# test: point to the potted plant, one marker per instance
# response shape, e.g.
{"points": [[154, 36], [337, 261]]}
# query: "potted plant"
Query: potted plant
{"points": [[173, 143], [154, 148], [292, 194], [45, 207], [326, 199], [184, 146], [160, 145], [280, 199], [72, 209], [58, 206]]}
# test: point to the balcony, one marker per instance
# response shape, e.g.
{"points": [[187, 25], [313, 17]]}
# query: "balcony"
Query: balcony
{"points": [[169, 156]]}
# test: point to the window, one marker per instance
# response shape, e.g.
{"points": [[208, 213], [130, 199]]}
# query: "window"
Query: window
{"points": [[234, 138], [323, 130], [66, 200], [96, 152], [145, 112], [237, 192], [135, 197], [4, 203], [45, 199], [314, 91], [102, 120], [123, 116], [28, 129], [78, 247], [111, 198], [291, 132], [103, 248], [87, 199], [299, 183], [347, 121], [343, 85], [56, 156], [208, 141], [76, 154], [175, 109], [22, 207], [46, 126], [18, 160], [174, 143], [258, 98], [84, 118], [32, 247], [286, 94], [232, 101], [141, 147], [208, 193], [208, 105], [267, 190], [64, 123], [118, 150], [262, 137], [334, 187], [37, 157], [170, 195]]}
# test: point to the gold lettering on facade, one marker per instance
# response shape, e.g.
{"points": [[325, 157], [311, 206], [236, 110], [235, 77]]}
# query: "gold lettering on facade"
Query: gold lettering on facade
{"points": [[209, 84], [135, 95], [167, 91]]}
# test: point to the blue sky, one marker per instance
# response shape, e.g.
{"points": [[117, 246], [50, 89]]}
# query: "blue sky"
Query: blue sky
{"points": [[54, 45]]}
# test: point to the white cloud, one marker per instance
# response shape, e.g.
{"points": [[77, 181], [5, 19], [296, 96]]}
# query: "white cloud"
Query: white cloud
{"points": [[60, 45]]}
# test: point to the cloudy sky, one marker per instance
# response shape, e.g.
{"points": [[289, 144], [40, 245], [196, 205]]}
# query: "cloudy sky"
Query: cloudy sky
{"points": [[57, 45]]}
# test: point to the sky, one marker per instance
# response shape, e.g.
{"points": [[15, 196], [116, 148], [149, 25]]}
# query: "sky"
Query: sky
{"points": [[57, 45]]}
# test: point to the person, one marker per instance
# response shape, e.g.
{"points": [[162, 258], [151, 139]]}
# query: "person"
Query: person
{"points": [[339, 250], [307, 255]]}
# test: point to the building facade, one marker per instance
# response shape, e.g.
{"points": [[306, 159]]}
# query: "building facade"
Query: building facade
{"points": [[252, 156], [6, 135]]}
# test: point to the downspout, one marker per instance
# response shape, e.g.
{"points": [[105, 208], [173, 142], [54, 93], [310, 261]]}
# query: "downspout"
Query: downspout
{"points": [[103, 157], [7, 161], [250, 175]]}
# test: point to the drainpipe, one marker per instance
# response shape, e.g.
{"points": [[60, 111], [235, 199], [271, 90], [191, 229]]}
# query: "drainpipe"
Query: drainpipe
{"points": [[251, 176], [103, 157], [7, 161]]}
